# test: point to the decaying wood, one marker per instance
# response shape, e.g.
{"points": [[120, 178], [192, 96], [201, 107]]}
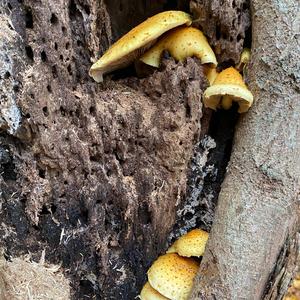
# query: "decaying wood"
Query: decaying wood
{"points": [[94, 174], [257, 214], [229, 21]]}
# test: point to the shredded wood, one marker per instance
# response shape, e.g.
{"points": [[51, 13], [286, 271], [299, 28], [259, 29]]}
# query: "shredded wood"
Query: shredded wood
{"points": [[23, 279]]}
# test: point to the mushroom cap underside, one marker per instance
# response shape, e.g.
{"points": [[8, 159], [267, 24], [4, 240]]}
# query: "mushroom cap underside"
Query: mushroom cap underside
{"points": [[230, 84], [213, 96]]}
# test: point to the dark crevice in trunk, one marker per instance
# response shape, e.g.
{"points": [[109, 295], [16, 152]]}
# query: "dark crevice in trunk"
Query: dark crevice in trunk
{"points": [[221, 129], [204, 182], [126, 14]]}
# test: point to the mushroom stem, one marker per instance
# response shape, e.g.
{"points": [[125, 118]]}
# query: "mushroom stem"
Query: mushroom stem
{"points": [[226, 102], [245, 57], [227, 87]]}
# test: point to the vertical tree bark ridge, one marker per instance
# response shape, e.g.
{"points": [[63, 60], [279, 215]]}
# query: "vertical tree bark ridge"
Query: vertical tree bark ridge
{"points": [[257, 214]]}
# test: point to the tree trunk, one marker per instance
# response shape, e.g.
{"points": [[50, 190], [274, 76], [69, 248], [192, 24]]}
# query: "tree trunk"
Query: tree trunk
{"points": [[253, 245]]}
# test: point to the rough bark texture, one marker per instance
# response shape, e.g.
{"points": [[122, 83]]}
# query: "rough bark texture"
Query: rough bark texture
{"points": [[96, 174], [225, 23], [253, 243]]}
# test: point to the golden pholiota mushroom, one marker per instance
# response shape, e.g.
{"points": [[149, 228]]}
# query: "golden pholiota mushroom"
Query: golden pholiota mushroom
{"points": [[136, 41], [228, 87], [191, 244], [149, 293], [245, 58], [293, 292], [181, 43], [172, 276]]}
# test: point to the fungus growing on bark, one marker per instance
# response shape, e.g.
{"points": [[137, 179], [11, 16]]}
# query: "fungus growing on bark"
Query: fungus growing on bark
{"points": [[136, 41], [149, 293], [228, 87], [181, 43], [191, 244], [245, 57], [172, 275], [293, 292]]}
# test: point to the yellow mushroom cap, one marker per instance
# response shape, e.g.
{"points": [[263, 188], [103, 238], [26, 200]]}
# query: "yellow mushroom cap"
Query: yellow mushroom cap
{"points": [[181, 43], [228, 83], [191, 244], [292, 297], [172, 276], [244, 59], [293, 292], [149, 293], [126, 49]]}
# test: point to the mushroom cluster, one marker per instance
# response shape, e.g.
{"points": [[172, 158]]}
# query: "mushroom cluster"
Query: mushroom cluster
{"points": [[171, 31], [171, 275], [133, 44], [227, 87]]}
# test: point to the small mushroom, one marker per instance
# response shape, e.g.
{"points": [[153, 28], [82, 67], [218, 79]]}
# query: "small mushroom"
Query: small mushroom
{"points": [[149, 293], [172, 276], [245, 57], [228, 87], [181, 43], [136, 41], [191, 244]]}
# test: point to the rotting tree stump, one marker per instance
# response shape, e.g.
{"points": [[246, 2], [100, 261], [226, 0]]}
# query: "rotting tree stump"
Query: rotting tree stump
{"points": [[99, 175]]}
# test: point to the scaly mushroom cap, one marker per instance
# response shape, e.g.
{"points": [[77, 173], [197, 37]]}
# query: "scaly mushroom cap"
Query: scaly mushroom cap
{"points": [[228, 83], [191, 244], [149, 293], [172, 276], [136, 41], [181, 43]]}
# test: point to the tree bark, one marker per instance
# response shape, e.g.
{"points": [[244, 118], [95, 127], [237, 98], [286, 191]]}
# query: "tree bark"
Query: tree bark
{"points": [[253, 240]]}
